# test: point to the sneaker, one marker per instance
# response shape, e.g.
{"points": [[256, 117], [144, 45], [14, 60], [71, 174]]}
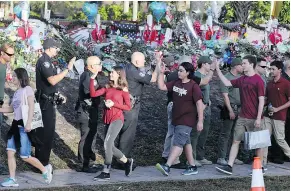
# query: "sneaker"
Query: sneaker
{"points": [[221, 161], [48, 176], [238, 162], [191, 170], [205, 162], [226, 169], [102, 177], [164, 169], [10, 182], [128, 166]]}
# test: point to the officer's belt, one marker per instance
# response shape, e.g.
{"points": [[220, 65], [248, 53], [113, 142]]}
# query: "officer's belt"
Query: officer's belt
{"points": [[45, 96]]}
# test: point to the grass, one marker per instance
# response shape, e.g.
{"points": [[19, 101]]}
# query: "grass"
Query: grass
{"points": [[229, 184]]}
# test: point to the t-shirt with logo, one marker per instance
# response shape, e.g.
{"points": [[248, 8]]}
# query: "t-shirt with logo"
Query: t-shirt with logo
{"points": [[250, 89], [185, 96]]}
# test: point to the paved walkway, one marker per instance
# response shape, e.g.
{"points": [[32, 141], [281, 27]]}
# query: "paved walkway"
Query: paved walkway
{"points": [[64, 178]]}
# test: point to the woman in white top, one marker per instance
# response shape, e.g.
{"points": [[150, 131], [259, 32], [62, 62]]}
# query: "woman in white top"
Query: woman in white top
{"points": [[18, 135]]}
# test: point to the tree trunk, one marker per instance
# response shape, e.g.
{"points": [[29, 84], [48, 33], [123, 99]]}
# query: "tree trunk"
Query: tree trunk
{"points": [[241, 10]]}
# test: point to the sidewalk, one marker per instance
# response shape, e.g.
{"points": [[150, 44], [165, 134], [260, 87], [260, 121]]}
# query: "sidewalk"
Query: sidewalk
{"points": [[64, 178]]}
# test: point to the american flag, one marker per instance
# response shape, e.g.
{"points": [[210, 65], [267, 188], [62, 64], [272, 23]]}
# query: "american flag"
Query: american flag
{"points": [[126, 29]]}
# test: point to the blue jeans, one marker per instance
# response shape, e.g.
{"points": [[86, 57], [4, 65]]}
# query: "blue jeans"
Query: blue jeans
{"points": [[25, 149]]}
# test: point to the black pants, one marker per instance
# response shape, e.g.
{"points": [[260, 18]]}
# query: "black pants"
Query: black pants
{"points": [[128, 131], [46, 134], [88, 127]]}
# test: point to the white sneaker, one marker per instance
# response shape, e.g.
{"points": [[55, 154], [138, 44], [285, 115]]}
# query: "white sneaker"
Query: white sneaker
{"points": [[10, 182], [48, 176]]}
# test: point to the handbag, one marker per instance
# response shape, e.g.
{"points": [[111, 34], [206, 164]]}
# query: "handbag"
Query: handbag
{"points": [[37, 116], [257, 139]]}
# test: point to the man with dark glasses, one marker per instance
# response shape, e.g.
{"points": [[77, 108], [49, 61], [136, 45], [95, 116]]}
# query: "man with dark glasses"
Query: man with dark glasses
{"points": [[261, 69], [46, 85], [7, 52]]}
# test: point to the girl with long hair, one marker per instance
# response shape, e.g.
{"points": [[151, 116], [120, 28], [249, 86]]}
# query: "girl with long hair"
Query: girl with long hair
{"points": [[19, 136], [117, 100]]}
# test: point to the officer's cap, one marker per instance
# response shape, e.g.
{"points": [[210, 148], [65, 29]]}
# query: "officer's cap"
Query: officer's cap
{"points": [[203, 60], [236, 62], [51, 43]]}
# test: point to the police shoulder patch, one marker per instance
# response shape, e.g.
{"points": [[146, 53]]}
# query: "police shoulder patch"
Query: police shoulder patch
{"points": [[46, 64], [141, 74]]}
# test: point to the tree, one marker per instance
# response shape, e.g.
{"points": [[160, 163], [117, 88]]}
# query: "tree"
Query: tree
{"points": [[284, 16], [241, 10]]}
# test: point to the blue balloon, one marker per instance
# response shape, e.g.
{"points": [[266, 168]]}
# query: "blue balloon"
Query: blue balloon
{"points": [[21, 6], [90, 10], [158, 10]]}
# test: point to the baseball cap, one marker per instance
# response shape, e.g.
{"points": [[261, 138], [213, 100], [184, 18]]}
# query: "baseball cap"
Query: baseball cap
{"points": [[50, 43], [235, 62], [204, 59]]}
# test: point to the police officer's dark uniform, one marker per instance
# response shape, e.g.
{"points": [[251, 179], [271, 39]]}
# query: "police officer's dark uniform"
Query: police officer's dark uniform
{"points": [[87, 116], [136, 80], [45, 95]]}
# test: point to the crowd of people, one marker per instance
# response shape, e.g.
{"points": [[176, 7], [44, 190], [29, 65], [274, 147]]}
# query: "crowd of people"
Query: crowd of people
{"points": [[252, 102]]}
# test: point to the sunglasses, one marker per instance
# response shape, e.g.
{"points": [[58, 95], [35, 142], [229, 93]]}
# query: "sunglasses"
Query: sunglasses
{"points": [[10, 55], [263, 66]]}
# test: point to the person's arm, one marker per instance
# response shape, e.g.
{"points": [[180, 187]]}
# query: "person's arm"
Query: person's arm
{"points": [[204, 81], [161, 82], [96, 93], [261, 96], [158, 65], [30, 100], [200, 108], [227, 104], [224, 80], [126, 100], [54, 79], [7, 109]]}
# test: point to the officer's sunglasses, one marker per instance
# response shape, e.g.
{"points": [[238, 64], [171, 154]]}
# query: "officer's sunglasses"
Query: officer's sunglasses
{"points": [[10, 55], [263, 66]]}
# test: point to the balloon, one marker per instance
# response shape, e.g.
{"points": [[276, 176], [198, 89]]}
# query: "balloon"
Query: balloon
{"points": [[275, 37], [21, 6], [21, 33], [90, 10], [189, 26], [158, 10]]}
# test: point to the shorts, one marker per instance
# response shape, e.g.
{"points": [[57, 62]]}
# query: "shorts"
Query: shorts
{"points": [[181, 135], [25, 149], [244, 125]]}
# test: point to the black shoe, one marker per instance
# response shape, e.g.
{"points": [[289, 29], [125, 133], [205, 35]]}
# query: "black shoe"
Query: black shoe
{"points": [[102, 177], [128, 166], [179, 166], [225, 169], [164, 169], [90, 169]]}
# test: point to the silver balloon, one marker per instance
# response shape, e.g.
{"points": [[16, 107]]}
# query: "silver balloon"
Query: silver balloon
{"points": [[189, 25]]}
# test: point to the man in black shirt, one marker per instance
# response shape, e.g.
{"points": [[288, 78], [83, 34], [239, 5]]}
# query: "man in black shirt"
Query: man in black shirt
{"points": [[46, 85], [87, 113], [172, 76]]}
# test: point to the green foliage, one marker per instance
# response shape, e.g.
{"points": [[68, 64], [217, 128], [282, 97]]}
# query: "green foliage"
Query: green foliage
{"points": [[284, 16], [260, 13], [79, 15], [34, 14]]}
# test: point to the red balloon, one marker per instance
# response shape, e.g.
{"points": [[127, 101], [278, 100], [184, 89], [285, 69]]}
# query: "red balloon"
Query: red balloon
{"points": [[275, 38], [21, 33]]}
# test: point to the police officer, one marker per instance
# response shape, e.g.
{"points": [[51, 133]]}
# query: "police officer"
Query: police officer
{"points": [[136, 79], [87, 112], [46, 85]]}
